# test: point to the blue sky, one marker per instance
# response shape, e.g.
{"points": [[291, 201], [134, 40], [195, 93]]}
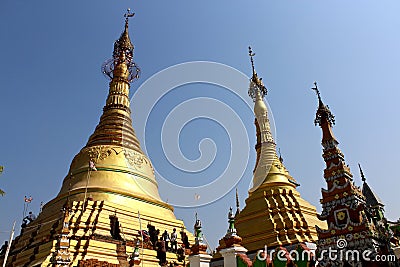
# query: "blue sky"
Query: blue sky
{"points": [[53, 90]]}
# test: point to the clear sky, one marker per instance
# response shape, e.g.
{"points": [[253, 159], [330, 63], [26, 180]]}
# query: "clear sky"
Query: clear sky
{"points": [[52, 90]]}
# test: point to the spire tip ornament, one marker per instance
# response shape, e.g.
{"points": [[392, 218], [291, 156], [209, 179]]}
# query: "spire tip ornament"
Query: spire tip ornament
{"points": [[317, 91], [251, 54], [128, 14], [121, 65], [237, 203], [323, 112], [257, 88]]}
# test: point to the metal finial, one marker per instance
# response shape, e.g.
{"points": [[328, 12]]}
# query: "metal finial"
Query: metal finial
{"points": [[317, 91], [251, 54], [256, 85], [361, 173], [323, 112], [122, 54], [128, 15]]}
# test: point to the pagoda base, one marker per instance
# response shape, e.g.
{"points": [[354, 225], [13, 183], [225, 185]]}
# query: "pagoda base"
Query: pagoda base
{"points": [[100, 231], [276, 216]]}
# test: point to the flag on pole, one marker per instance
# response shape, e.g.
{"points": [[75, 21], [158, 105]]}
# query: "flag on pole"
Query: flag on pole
{"points": [[92, 166], [28, 199]]}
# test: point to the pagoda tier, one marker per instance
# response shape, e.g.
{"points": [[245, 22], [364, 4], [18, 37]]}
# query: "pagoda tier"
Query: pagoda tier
{"points": [[344, 208], [110, 181], [275, 214]]}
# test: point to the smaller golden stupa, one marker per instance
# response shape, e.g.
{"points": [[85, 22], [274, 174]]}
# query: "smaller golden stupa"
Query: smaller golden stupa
{"points": [[109, 195], [275, 214]]}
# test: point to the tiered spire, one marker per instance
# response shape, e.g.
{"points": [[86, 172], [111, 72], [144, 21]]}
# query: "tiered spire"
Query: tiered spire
{"points": [[343, 203], [274, 214], [115, 127], [337, 174], [267, 158]]}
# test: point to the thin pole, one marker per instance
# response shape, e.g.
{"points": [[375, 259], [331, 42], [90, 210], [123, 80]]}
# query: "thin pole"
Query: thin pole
{"points": [[9, 245], [87, 183], [24, 212], [141, 234], [87, 180], [208, 245], [27, 206]]}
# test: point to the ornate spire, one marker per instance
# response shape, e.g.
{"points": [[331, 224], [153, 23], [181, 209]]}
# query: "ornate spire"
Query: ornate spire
{"points": [[265, 147], [121, 66], [323, 113], [274, 213], [115, 127], [257, 89], [325, 119], [345, 207]]}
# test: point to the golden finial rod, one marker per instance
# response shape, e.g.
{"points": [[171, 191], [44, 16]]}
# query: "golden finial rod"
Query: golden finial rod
{"points": [[251, 54]]}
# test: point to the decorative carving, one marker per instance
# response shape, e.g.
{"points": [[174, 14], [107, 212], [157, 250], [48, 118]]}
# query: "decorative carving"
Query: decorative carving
{"points": [[135, 159], [97, 153]]}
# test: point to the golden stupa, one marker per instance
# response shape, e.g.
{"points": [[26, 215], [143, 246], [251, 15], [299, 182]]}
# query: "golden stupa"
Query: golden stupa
{"points": [[94, 220], [275, 214]]}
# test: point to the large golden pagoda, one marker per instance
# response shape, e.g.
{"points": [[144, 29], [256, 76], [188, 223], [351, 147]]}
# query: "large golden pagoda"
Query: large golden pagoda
{"points": [[275, 214], [94, 220]]}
